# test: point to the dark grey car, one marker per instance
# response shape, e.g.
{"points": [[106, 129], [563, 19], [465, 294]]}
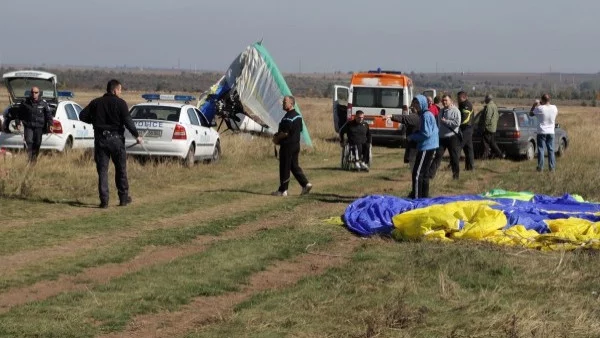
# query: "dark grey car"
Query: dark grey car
{"points": [[516, 134]]}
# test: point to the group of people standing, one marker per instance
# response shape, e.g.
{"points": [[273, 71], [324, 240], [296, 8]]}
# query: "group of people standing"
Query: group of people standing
{"points": [[441, 127], [434, 126], [451, 127], [431, 130]]}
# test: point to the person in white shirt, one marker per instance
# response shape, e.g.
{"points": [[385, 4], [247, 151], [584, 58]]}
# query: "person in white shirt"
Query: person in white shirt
{"points": [[546, 115]]}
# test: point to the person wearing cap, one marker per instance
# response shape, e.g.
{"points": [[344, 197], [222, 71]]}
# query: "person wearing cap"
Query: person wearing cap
{"points": [[466, 128], [490, 124], [546, 114], [427, 142]]}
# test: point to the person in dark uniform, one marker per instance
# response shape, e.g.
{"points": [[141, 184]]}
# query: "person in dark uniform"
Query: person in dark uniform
{"points": [[411, 122], [37, 117], [359, 136], [466, 128], [110, 116], [288, 138]]}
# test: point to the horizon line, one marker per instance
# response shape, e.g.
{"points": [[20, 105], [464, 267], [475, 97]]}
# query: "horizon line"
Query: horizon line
{"points": [[174, 68]]}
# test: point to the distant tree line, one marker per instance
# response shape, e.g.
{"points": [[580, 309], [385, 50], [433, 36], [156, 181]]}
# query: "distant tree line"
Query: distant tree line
{"points": [[322, 85]]}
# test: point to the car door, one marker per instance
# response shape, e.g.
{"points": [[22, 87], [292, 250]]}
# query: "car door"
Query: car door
{"points": [[340, 106], [73, 126], [87, 129], [209, 135], [198, 133], [430, 92]]}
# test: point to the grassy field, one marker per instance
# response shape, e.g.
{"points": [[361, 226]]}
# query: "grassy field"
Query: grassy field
{"points": [[207, 252]]}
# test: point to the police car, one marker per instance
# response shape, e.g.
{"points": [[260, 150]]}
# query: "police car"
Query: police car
{"points": [[67, 130], [173, 129]]}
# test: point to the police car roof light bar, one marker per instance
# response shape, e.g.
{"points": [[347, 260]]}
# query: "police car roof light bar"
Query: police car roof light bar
{"points": [[65, 93], [151, 97]]}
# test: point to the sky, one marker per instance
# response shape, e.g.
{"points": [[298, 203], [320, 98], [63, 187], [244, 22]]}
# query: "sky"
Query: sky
{"points": [[306, 35]]}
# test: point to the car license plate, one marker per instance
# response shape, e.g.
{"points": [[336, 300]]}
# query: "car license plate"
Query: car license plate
{"points": [[152, 133]]}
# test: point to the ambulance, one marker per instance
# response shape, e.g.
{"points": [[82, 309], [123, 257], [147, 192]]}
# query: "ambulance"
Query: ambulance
{"points": [[379, 94]]}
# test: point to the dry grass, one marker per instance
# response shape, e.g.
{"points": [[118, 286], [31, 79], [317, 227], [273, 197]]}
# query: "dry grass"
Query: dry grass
{"points": [[389, 289]]}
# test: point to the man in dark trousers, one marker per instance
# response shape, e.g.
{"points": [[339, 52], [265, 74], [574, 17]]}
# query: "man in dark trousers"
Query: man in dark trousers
{"points": [[466, 128], [490, 124], [36, 116], [411, 122], [449, 119], [110, 116], [288, 137], [427, 139], [359, 136]]}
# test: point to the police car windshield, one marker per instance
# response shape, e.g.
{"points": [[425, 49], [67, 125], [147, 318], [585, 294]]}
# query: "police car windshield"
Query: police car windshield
{"points": [[20, 87], [155, 113]]}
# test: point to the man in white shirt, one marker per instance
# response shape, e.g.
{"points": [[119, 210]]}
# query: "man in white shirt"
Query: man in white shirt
{"points": [[546, 115]]}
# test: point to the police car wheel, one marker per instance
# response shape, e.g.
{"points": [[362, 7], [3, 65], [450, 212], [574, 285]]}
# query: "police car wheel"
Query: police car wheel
{"points": [[216, 156], [189, 159], [530, 153], [68, 145], [562, 146]]}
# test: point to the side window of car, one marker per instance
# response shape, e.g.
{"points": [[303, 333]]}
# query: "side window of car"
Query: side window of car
{"points": [[523, 120], [78, 109], [203, 120], [71, 113], [193, 117], [533, 121]]}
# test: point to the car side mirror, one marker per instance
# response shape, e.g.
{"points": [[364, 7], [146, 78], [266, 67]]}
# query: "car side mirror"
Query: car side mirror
{"points": [[213, 123]]}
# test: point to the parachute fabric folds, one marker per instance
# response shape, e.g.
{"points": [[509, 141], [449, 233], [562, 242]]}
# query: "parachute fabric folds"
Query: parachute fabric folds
{"points": [[373, 214], [524, 219], [260, 86], [465, 219]]}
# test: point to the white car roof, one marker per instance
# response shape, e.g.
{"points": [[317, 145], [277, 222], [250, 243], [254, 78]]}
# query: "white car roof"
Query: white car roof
{"points": [[162, 103], [31, 74]]}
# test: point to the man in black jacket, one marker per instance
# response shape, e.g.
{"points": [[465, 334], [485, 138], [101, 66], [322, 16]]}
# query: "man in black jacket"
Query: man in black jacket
{"points": [[110, 116], [288, 137], [359, 136], [411, 122], [37, 118], [466, 128]]}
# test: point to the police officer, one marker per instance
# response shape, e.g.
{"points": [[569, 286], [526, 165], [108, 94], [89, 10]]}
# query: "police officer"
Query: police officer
{"points": [[36, 116], [110, 116], [288, 137], [466, 128]]}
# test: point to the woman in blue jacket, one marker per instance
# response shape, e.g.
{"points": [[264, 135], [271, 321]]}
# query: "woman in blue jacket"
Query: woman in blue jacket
{"points": [[427, 143]]}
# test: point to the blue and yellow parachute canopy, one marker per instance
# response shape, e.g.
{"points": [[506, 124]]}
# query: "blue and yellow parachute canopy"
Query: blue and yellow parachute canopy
{"points": [[502, 217]]}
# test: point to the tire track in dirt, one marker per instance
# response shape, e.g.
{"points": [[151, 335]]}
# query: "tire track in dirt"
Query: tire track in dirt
{"points": [[206, 310], [59, 214], [151, 256], [9, 264]]}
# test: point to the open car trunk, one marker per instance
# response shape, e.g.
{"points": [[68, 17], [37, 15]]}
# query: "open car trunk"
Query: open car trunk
{"points": [[19, 85]]}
